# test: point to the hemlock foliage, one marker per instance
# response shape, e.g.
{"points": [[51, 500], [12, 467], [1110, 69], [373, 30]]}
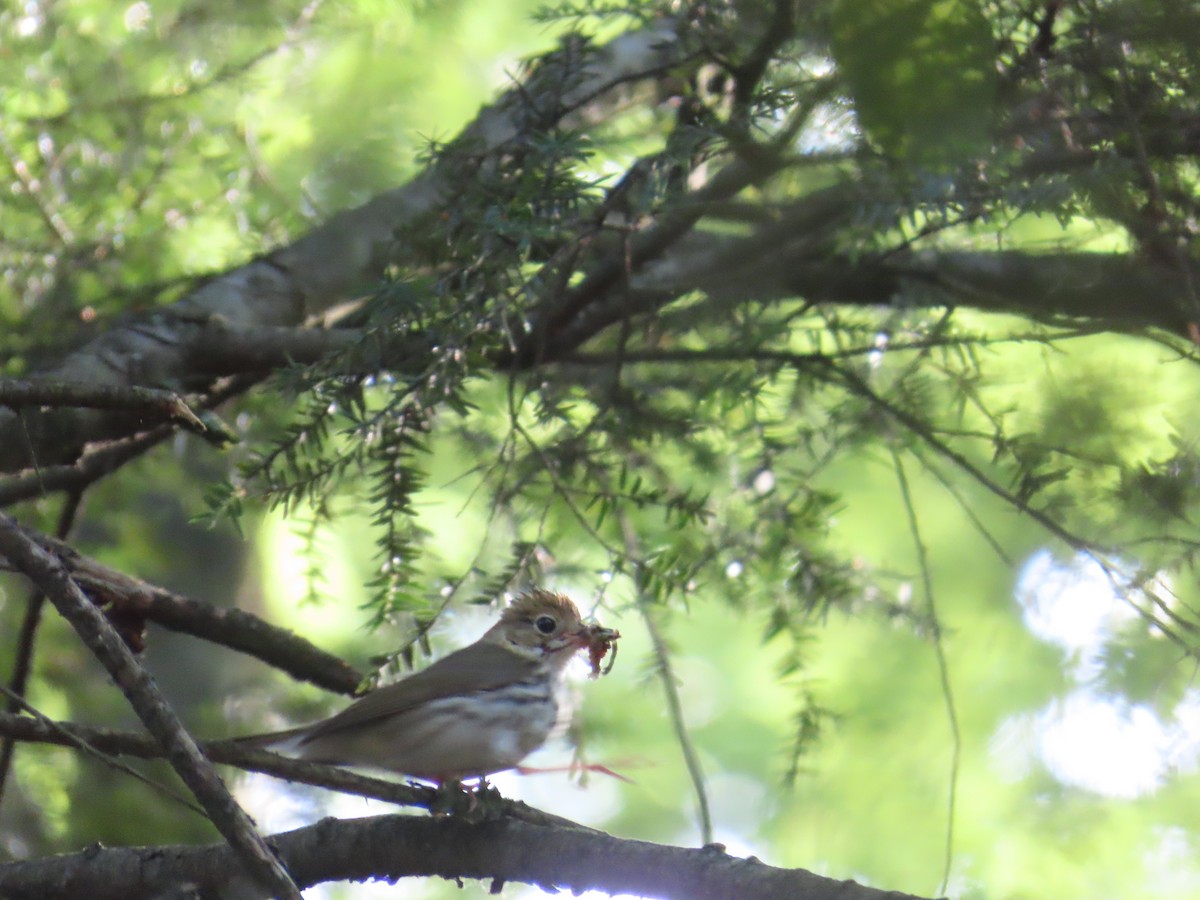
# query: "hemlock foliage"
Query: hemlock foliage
{"points": [[843, 355]]}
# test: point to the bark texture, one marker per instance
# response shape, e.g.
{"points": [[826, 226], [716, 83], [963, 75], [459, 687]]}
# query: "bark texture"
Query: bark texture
{"points": [[389, 848]]}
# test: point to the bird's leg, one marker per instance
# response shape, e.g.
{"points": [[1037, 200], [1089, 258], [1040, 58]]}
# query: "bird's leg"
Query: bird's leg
{"points": [[573, 768]]}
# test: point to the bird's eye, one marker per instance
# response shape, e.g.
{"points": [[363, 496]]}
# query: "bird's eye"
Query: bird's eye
{"points": [[545, 624]]}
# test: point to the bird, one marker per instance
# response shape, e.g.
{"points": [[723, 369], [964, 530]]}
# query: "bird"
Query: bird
{"points": [[477, 711]]}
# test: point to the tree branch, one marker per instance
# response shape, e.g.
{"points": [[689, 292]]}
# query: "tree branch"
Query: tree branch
{"points": [[104, 460], [160, 404], [52, 578], [342, 258], [1082, 286], [131, 601], [249, 758], [27, 639], [392, 847]]}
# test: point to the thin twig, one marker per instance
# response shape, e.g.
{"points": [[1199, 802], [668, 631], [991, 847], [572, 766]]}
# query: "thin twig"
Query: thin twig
{"points": [[91, 467], [1079, 544], [94, 465], [951, 489], [858, 386], [943, 668], [27, 639], [561, 490], [250, 759], [759, 354], [666, 675], [15, 700]]}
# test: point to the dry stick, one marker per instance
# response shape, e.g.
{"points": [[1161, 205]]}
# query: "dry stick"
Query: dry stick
{"points": [[26, 638], [49, 575]]}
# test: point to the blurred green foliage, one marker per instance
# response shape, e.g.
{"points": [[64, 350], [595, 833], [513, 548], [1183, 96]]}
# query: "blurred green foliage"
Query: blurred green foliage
{"points": [[922, 74], [748, 504]]}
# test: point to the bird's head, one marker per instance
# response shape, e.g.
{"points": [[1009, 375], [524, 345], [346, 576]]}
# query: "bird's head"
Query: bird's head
{"points": [[547, 626]]}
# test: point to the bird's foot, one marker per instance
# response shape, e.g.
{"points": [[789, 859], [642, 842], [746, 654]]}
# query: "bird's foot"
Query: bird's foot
{"points": [[486, 803], [479, 803]]}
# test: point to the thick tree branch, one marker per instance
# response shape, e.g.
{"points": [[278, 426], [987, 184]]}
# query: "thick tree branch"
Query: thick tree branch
{"points": [[392, 847], [1121, 290], [51, 577], [343, 258]]}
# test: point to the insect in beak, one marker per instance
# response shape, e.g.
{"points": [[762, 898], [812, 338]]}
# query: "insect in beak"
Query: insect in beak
{"points": [[598, 642]]}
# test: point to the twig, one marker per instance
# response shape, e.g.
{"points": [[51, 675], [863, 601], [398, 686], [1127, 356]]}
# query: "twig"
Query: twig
{"points": [[26, 640], [984, 532], [666, 675], [53, 218], [939, 651], [49, 574], [857, 385], [135, 600], [91, 467], [552, 474], [234, 753], [759, 354], [164, 404], [1091, 549], [94, 465], [74, 740]]}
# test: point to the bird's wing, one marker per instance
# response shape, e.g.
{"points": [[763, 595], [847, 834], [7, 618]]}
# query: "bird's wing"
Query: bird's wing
{"points": [[479, 667]]}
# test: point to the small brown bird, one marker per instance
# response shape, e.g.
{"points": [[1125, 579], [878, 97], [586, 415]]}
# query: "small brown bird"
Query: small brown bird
{"points": [[479, 710]]}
